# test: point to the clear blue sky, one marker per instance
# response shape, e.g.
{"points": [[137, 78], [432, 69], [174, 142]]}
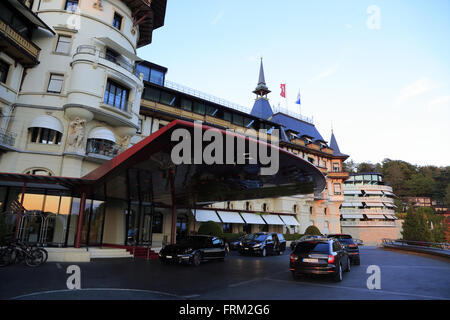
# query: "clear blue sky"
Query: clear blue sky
{"points": [[386, 91]]}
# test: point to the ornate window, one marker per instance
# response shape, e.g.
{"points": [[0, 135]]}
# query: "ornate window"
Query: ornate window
{"points": [[38, 172], [116, 95], [46, 130]]}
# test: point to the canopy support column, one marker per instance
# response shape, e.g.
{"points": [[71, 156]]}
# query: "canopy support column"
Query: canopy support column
{"points": [[80, 220], [19, 214], [174, 208]]}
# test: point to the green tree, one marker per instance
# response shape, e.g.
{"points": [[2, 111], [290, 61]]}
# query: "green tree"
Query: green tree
{"points": [[447, 195], [415, 227], [210, 228], [420, 185], [366, 167]]}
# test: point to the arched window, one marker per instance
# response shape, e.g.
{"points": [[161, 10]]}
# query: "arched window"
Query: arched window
{"points": [[38, 172], [46, 130], [325, 211], [265, 207], [101, 141], [294, 209], [310, 210]]}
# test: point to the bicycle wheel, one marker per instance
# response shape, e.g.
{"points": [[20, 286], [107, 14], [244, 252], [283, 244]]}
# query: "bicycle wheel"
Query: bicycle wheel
{"points": [[44, 252], [34, 258], [5, 257]]}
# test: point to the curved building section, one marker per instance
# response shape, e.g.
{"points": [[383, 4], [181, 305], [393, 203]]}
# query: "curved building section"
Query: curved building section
{"points": [[367, 212], [85, 78]]}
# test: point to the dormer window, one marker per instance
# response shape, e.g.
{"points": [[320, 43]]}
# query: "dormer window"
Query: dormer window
{"points": [[307, 140]]}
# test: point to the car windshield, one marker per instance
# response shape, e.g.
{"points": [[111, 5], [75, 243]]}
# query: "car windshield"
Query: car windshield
{"points": [[342, 238], [256, 237], [345, 241], [312, 247]]}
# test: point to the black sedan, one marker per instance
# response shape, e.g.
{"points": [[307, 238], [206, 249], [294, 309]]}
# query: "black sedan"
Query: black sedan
{"points": [[319, 256], [263, 243], [350, 245], [194, 249], [234, 244]]}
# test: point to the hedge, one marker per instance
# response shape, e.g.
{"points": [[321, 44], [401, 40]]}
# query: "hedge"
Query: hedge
{"points": [[210, 228], [313, 231], [292, 236]]}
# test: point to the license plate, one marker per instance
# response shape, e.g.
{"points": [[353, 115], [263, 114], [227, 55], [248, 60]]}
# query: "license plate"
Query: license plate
{"points": [[310, 260], [169, 257]]}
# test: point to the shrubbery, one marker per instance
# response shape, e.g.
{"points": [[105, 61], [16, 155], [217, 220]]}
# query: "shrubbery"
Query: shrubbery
{"points": [[210, 228], [313, 231], [292, 236], [423, 224]]}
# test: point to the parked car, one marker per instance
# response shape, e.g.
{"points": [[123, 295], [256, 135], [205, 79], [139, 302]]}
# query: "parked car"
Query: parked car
{"points": [[350, 245], [319, 256], [263, 243], [194, 250], [234, 244], [303, 238]]}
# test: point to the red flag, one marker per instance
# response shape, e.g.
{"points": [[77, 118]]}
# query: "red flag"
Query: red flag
{"points": [[283, 90]]}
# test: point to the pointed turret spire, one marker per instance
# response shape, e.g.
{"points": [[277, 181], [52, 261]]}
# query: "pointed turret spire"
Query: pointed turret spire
{"points": [[334, 144], [261, 89]]}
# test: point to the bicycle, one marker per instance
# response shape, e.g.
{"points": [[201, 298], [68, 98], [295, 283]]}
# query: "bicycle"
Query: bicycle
{"points": [[17, 251]]}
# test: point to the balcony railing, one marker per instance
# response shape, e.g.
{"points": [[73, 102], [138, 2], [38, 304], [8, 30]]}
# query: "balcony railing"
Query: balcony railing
{"points": [[102, 147], [7, 138], [19, 40], [368, 224], [119, 60]]}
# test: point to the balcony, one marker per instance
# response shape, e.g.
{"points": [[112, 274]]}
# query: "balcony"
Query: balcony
{"points": [[17, 46], [363, 224], [118, 60], [7, 140], [338, 175]]}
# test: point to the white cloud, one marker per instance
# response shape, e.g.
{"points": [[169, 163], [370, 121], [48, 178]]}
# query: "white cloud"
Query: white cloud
{"points": [[439, 103], [326, 73], [416, 88], [218, 17]]}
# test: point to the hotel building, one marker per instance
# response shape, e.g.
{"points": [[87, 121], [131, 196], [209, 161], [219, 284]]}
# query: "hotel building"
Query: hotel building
{"points": [[74, 95]]}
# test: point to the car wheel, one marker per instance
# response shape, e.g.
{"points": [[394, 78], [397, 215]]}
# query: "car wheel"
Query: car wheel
{"points": [[338, 275], [196, 259], [263, 252], [348, 265]]}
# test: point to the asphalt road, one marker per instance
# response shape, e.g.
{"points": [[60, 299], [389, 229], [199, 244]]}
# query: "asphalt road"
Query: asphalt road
{"points": [[403, 276]]}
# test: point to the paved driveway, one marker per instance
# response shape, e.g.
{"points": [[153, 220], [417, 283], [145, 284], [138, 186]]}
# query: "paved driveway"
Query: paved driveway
{"points": [[403, 276]]}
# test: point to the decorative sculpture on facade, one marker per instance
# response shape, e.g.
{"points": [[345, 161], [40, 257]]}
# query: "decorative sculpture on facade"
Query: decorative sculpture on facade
{"points": [[123, 143], [98, 5], [76, 135]]}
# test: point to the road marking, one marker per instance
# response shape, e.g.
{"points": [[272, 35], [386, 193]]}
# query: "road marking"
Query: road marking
{"points": [[242, 283], [359, 289], [96, 289]]}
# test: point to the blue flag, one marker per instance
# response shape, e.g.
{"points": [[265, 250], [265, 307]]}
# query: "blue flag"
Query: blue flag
{"points": [[298, 98]]}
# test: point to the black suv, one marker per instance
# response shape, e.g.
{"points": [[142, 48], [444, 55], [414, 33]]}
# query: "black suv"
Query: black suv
{"points": [[194, 250], [350, 246], [263, 243], [319, 256]]}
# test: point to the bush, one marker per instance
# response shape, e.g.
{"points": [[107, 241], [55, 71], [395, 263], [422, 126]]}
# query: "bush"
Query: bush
{"points": [[292, 236], [313, 231], [210, 228]]}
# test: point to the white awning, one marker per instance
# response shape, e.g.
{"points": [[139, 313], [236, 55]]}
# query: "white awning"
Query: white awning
{"points": [[352, 192], [352, 204], [352, 216], [102, 133], [374, 204], [389, 205], [388, 193], [273, 219], [48, 122], [375, 216], [230, 217], [373, 192], [390, 216], [251, 218], [205, 215], [119, 49], [289, 220]]}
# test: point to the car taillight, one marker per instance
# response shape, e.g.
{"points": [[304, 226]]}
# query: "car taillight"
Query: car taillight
{"points": [[330, 258], [353, 246], [293, 257]]}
